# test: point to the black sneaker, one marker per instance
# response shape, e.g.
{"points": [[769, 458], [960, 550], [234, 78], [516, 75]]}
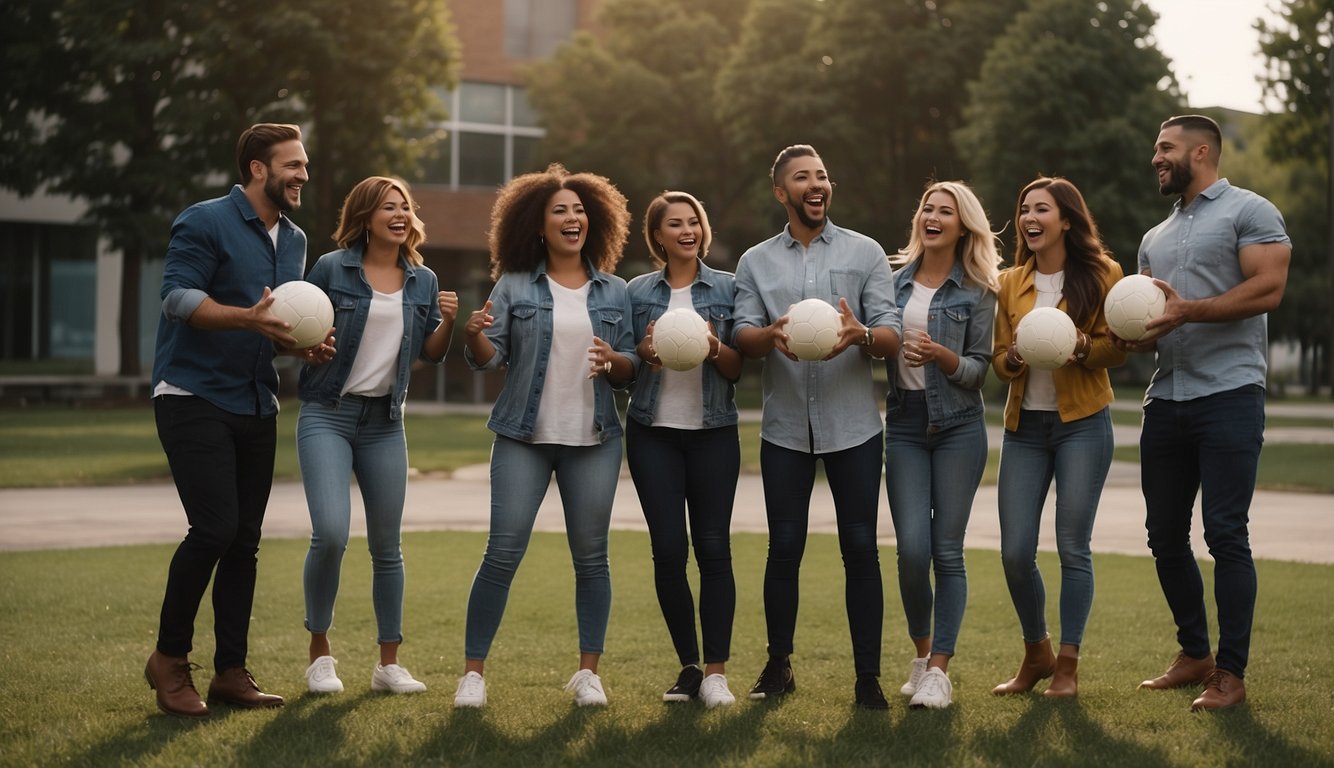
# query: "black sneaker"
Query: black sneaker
{"points": [[869, 695], [687, 684], [775, 680]]}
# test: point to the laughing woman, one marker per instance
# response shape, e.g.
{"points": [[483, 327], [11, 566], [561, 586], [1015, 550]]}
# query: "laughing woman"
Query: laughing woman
{"points": [[682, 446], [559, 321], [389, 313], [1057, 424]]}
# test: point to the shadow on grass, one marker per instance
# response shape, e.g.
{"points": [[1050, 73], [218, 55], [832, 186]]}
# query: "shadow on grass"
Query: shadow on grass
{"points": [[1061, 732], [1255, 744]]}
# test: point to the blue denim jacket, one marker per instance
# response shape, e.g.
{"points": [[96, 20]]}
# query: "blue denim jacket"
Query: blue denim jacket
{"points": [[960, 317], [521, 334], [340, 274], [712, 294], [221, 250]]}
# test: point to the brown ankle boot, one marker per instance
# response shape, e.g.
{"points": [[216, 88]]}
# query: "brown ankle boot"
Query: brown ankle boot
{"points": [[170, 677], [1065, 682], [1038, 664]]}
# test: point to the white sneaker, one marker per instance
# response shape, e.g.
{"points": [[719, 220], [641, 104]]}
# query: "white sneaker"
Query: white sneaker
{"points": [[471, 691], [321, 677], [587, 688], [915, 672], [714, 692], [395, 679], [935, 691]]}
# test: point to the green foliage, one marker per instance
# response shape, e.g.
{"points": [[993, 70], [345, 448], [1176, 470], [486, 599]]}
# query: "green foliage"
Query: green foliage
{"points": [[1298, 75], [1074, 90], [107, 600]]}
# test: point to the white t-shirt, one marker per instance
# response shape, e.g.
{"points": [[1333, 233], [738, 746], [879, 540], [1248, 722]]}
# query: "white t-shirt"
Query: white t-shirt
{"points": [[565, 412], [376, 365], [1040, 393], [681, 393], [915, 313]]}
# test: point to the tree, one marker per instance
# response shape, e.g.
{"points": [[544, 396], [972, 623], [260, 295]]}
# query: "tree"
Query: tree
{"points": [[134, 106], [1298, 75], [1079, 91], [635, 103]]}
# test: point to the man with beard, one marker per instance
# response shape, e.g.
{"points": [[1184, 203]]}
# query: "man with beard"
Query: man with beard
{"points": [[1221, 257], [818, 411], [215, 402]]}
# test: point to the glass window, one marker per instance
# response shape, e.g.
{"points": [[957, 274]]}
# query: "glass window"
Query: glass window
{"points": [[481, 159], [533, 28], [524, 114], [525, 154], [482, 103]]}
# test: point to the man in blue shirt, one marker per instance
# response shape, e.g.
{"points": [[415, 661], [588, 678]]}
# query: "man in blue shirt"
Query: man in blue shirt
{"points": [[215, 399], [818, 411], [1221, 257]]}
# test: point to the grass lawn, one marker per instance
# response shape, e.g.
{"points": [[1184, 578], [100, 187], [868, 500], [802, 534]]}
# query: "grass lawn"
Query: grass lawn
{"points": [[79, 624]]}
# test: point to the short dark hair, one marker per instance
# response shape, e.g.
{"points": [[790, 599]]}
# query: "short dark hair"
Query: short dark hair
{"points": [[257, 143], [1199, 124], [788, 155]]}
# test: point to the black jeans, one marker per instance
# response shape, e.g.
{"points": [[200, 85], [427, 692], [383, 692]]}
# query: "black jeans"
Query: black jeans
{"points": [[223, 467], [1208, 446], [854, 480], [680, 473]]}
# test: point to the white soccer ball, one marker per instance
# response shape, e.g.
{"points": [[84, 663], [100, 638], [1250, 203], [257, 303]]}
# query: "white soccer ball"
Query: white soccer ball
{"points": [[812, 329], [1132, 303], [306, 308], [1046, 338], [681, 339]]}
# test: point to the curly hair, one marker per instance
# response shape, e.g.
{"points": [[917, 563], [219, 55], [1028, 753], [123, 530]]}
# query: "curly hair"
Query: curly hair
{"points": [[1085, 255], [657, 210], [976, 249], [520, 209], [361, 203]]}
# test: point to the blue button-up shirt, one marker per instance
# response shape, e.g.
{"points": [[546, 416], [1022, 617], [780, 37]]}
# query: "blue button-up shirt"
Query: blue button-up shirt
{"points": [[341, 276], [1195, 251], [521, 334], [711, 294], [831, 403], [220, 249]]}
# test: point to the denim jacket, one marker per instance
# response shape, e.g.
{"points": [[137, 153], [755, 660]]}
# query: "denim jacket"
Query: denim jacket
{"points": [[711, 294], [960, 317], [340, 274], [521, 334]]}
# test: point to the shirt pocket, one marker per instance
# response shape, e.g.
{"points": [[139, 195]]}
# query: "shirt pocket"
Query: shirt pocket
{"points": [[722, 318], [609, 323], [847, 284], [953, 324]]}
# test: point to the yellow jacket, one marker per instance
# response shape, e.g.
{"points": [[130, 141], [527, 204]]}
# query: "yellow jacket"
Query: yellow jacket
{"points": [[1082, 388]]}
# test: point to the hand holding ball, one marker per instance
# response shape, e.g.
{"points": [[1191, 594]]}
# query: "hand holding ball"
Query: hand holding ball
{"points": [[813, 327], [306, 309], [1131, 304], [681, 339], [1046, 338]]}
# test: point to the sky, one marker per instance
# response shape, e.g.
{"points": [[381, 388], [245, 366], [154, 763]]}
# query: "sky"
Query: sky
{"points": [[1215, 52]]}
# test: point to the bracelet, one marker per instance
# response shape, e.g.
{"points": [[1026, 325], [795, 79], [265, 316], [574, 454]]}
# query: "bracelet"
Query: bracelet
{"points": [[1086, 343], [717, 352], [869, 340]]}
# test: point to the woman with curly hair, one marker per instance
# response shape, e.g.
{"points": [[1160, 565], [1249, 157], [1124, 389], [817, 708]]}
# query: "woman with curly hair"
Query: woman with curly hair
{"points": [[1057, 423], [390, 313], [935, 439], [558, 321]]}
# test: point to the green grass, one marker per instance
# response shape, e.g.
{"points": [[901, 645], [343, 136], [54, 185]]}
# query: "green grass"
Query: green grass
{"points": [[1283, 466], [73, 691]]}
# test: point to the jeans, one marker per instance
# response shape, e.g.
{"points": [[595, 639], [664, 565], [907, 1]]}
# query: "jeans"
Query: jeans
{"points": [[1210, 445], [931, 479], [1078, 454], [854, 480], [333, 443], [222, 464], [520, 474], [690, 474]]}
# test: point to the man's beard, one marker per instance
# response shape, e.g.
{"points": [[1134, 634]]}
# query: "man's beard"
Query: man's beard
{"points": [[799, 208], [276, 190], [1179, 177]]}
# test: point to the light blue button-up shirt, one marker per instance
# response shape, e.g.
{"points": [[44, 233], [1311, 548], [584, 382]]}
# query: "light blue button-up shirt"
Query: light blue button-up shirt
{"points": [[821, 406], [1195, 251]]}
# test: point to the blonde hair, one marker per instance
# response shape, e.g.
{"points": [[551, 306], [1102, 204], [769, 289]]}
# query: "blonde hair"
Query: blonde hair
{"points": [[976, 249], [657, 210], [367, 196]]}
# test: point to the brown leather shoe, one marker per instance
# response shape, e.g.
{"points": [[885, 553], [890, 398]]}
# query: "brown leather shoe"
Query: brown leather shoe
{"points": [[1183, 671], [1222, 690], [1065, 682], [1039, 663], [170, 677], [235, 686]]}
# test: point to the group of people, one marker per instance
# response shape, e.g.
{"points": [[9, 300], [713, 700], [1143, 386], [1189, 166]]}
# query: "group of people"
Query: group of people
{"points": [[567, 332]]}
